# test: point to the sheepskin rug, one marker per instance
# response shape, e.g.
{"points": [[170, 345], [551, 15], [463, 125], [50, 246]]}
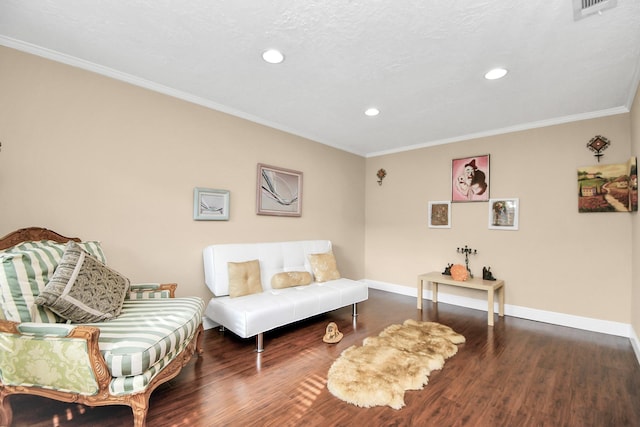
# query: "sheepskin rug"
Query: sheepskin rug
{"points": [[384, 367]]}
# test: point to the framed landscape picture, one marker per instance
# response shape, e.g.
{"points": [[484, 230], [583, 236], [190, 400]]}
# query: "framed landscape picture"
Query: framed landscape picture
{"points": [[278, 191], [210, 204], [503, 214], [608, 188], [440, 214], [470, 179]]}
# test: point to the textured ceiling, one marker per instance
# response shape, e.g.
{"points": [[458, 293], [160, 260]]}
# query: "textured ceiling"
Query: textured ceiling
{"points": [[420, 62]]}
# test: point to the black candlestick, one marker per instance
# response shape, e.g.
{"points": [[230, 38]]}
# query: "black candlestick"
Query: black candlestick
{"points": [[466, 251]]}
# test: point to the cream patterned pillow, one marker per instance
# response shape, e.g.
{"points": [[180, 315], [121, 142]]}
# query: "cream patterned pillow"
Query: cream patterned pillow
{"points": [[324, 267], [289, 279], [83, 289], [244, 278]]}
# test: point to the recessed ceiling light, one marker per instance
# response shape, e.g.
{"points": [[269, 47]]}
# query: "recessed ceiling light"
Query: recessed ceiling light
{"points": [[496, 73], [372, 112], [273, 56]]}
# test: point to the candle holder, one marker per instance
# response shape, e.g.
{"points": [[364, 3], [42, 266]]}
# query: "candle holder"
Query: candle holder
{"points": [[467, 251]]}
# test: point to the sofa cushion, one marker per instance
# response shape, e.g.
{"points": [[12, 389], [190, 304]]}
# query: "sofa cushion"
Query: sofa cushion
{"points": [[82, 289], [324, 267], [146, 332], [138, 383], [25, 270], [244, 278], [254, 314], [289, 279]]}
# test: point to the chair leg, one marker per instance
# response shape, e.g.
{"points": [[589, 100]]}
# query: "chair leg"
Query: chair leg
{"points": [[6, 415], [200, 333], [259, 343], [140, 407]]}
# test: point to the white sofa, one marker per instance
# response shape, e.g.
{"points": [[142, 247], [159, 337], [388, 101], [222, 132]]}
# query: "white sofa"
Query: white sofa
{"points": [[252, 315]]}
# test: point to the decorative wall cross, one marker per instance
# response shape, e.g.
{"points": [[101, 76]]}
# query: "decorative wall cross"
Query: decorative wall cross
{"points": [[598, 144]]}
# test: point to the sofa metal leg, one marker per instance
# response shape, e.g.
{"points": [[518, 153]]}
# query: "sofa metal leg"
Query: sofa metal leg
{"points": [[259, 343], [355, 310]]}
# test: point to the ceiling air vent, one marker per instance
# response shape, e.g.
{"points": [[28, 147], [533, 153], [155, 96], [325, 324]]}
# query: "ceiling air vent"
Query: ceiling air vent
{"points": [[584, 8]]}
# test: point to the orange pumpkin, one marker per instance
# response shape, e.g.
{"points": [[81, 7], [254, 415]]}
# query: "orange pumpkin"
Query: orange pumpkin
{"points": [[459, 272]]}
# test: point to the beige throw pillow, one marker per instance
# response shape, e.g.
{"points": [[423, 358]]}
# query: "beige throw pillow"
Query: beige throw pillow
{"points": [[244, 278], [324, 267], [289, 279], [83, 289]]}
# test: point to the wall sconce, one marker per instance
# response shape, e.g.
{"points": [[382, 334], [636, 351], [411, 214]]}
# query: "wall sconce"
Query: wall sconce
{"points": [[381, 174]]}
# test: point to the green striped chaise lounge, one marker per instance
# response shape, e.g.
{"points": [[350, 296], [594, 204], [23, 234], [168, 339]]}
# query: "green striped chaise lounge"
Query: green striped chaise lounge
{"points": [[127, 348]]}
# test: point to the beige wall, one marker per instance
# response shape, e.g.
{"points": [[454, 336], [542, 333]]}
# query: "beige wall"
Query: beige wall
{"points": [[635, 284], [89, 156], [92, 157], [558, 260]]}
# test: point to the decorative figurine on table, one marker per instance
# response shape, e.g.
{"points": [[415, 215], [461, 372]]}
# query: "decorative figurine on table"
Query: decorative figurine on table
{"points": [[466, 251], [487, 274], [447, 270]]}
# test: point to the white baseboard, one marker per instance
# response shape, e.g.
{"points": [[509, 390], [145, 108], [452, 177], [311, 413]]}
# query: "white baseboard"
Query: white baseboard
{"points": [[561, 319]]}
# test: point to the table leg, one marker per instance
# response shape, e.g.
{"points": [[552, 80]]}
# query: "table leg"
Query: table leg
{"points": [[420, 283], [434, 291], [490, 308], [501, 302]]}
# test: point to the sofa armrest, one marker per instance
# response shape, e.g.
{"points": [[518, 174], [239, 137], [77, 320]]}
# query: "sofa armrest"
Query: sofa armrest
{"points": [[152, 290], [53, 357]]}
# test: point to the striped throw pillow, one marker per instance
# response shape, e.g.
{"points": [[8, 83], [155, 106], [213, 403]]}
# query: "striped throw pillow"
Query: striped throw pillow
{"points": [[25, 270]]}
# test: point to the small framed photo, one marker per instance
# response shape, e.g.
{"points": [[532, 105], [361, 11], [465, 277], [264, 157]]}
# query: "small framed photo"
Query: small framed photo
{"points": [[503, 214], [210, 204], [470, 179], [440, 214], [278, 191]]}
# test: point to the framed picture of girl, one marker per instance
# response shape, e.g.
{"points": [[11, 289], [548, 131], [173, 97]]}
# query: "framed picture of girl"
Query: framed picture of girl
{"points": [[470, 179], [503, 214]]}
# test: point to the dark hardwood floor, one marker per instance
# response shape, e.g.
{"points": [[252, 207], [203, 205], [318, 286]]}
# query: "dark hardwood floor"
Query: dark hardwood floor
{"points": [[518, 373]]}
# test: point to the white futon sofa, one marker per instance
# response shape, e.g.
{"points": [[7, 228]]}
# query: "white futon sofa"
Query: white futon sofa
{"points": [[253, 314]]}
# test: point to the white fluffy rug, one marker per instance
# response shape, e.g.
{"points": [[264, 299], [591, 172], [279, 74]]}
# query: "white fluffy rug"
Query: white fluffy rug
{"points": [[384, 367]]}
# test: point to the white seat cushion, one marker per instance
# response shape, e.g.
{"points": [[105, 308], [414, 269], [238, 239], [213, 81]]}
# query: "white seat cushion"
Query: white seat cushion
{"points": [[253, 314]]}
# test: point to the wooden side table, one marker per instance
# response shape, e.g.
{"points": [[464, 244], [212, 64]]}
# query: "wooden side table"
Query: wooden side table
{"points": [[491, 286]]}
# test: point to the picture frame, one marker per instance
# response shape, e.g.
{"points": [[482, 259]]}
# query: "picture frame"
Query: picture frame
{"points": [[278, 191], [440, 214], [210, 204], [470, 179], [608, 188], [504, 213]]}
